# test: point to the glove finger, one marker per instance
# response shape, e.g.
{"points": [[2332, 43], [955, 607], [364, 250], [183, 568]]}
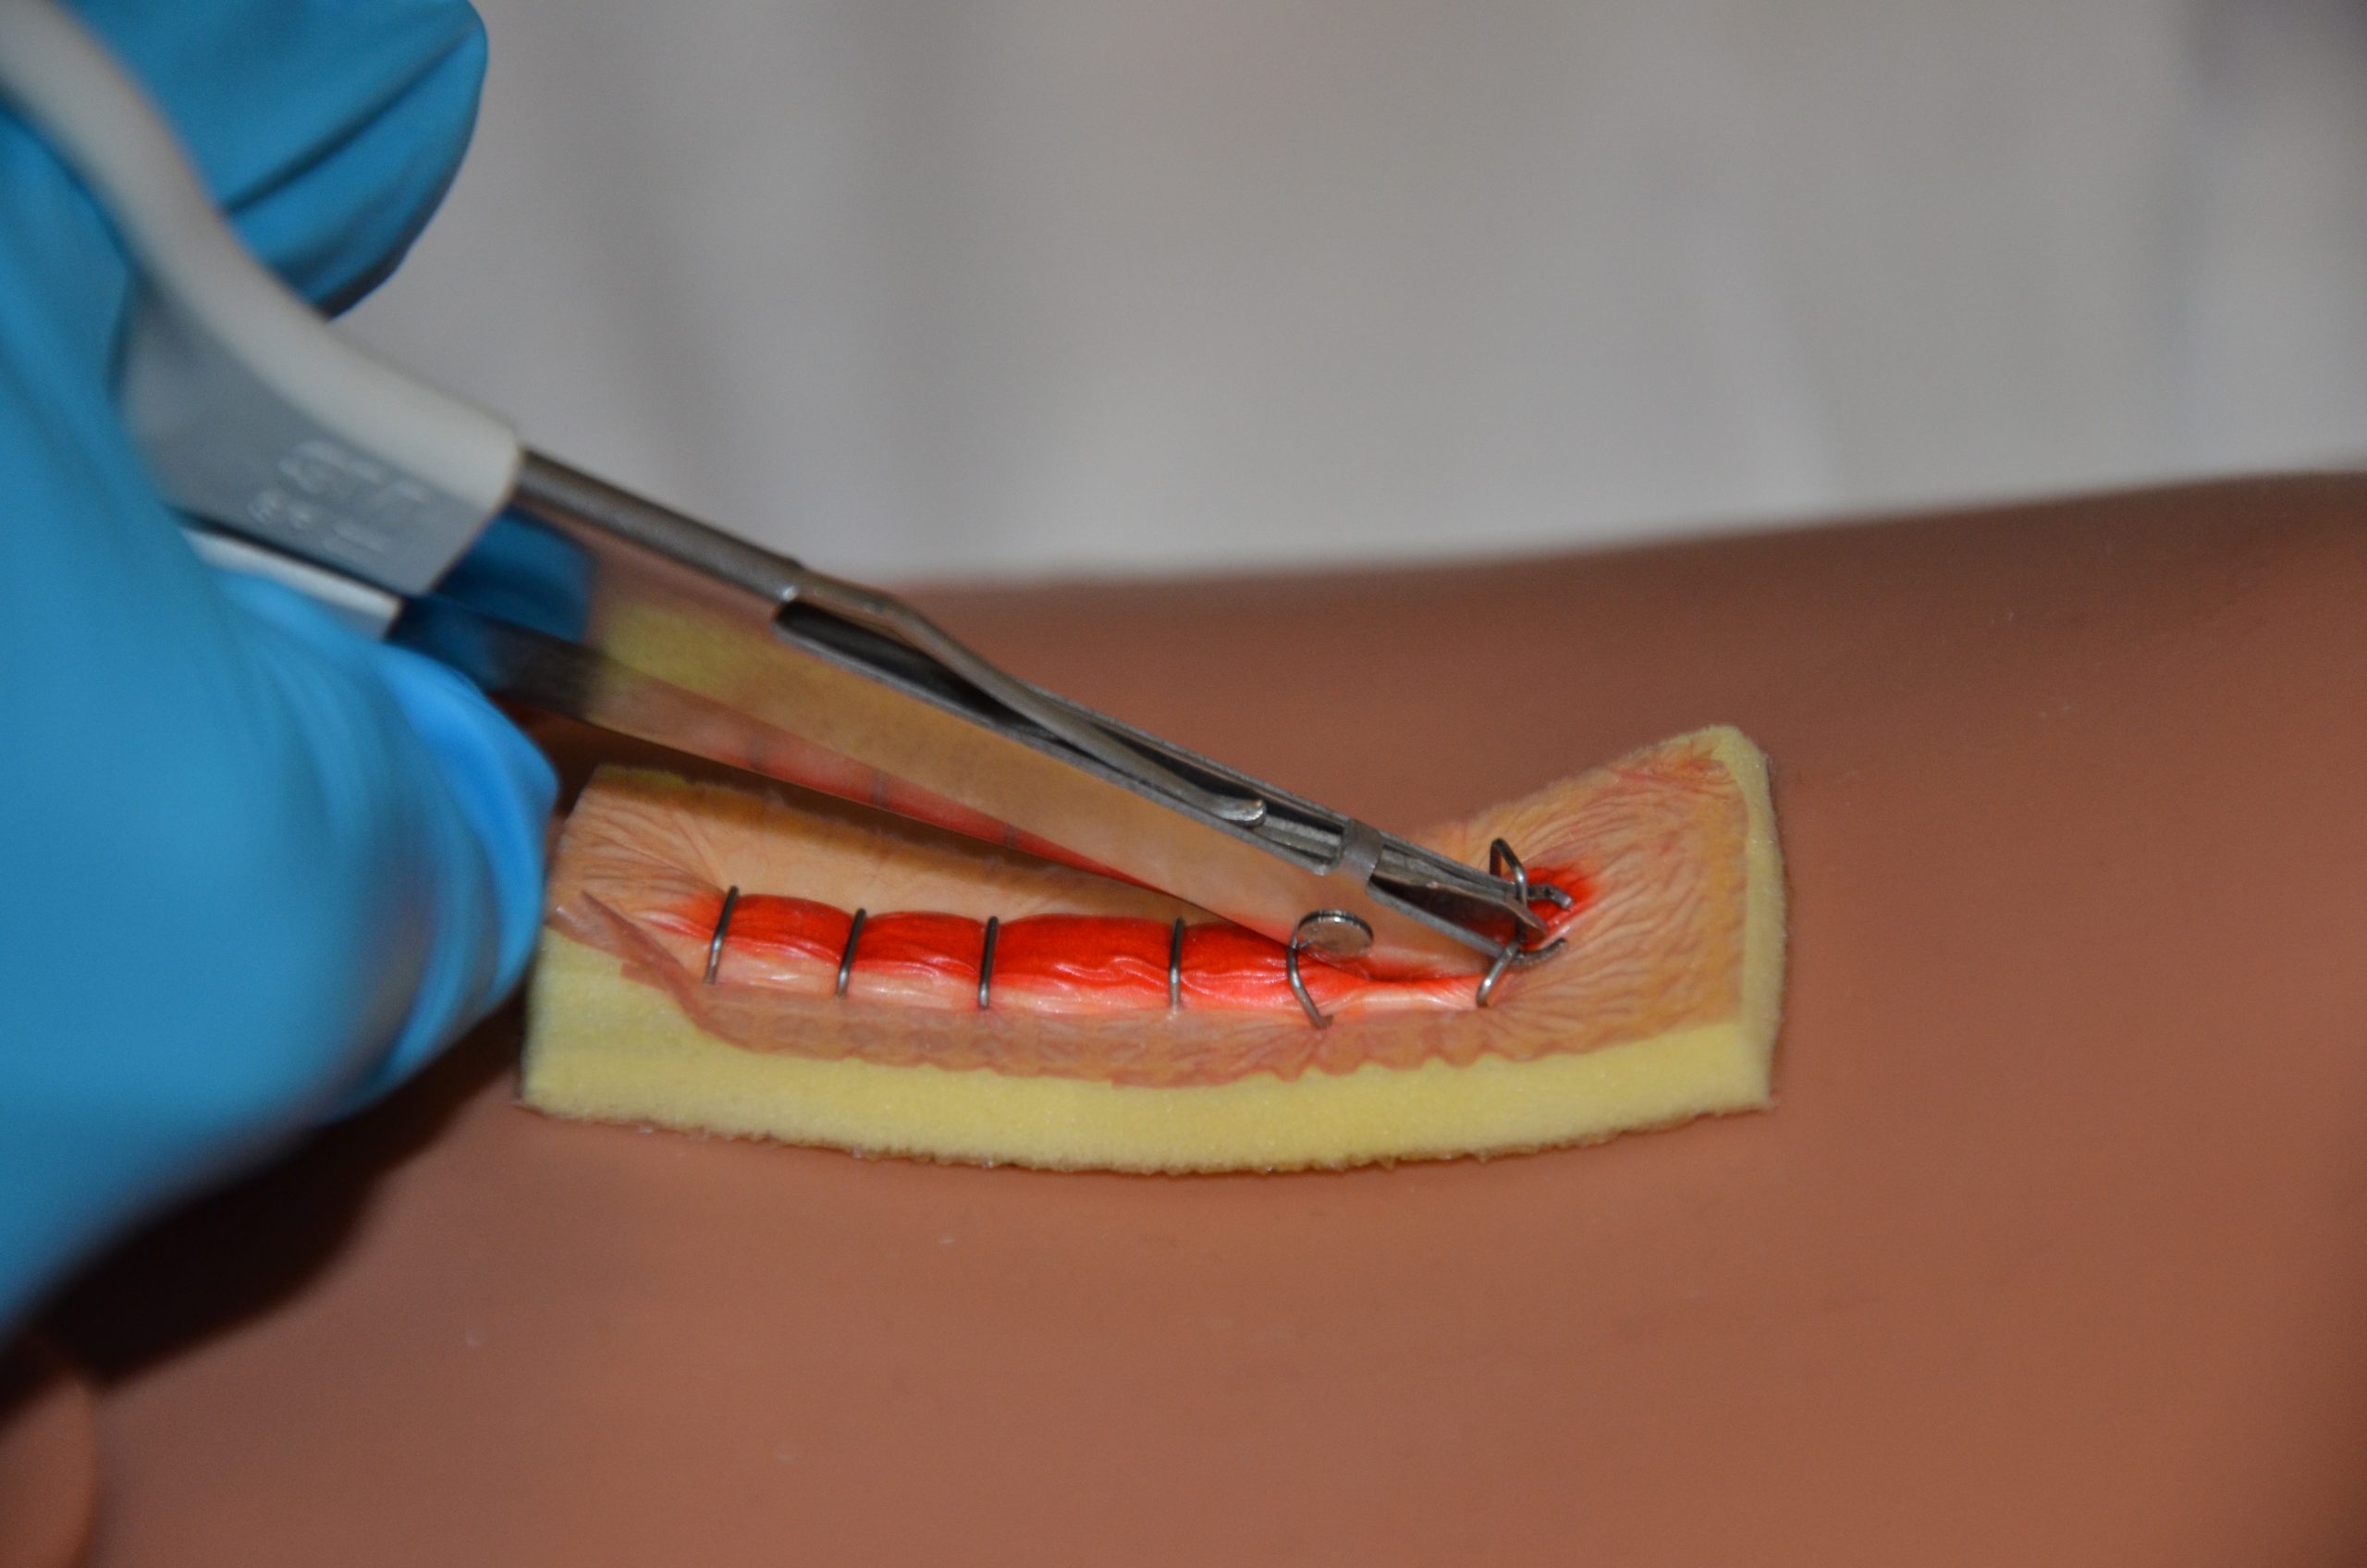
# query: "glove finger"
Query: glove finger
{"points": [[255, 867], [330, 129], [504, 791], [478, 797]]}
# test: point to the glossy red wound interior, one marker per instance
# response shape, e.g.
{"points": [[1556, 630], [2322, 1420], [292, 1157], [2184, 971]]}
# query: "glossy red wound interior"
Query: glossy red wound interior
{"points": [[1056, 963]]}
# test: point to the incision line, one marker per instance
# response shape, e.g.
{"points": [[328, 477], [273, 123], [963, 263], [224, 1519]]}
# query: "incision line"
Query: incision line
{"points": [[1062, 963]]}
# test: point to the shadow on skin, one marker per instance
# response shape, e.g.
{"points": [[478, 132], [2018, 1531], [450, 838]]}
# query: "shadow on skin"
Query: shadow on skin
{"points": [[236, 1254]]}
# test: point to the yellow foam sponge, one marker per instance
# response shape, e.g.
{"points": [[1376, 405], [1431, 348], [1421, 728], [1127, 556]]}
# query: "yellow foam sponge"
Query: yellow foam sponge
{"points": [[1661, 1007]]}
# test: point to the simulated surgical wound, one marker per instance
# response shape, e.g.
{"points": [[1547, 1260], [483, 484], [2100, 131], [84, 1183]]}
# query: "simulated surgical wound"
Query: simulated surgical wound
{"points": [[744, 963]]}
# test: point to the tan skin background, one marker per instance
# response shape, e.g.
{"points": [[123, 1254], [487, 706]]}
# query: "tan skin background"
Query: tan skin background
{"points": [[2054, 1250]]}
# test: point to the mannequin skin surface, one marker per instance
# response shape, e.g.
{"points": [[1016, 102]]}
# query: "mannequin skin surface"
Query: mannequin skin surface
{"points": [[49, 1461], [2053, 1248]]}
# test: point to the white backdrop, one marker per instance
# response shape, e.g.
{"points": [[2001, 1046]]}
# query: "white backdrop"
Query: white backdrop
{"points": [[940, 287]]}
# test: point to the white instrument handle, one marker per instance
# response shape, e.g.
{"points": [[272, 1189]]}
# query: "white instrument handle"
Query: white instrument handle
{"points": [[252, 413]]}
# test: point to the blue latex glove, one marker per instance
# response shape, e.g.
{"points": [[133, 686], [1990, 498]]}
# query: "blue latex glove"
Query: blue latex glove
{"points": [[253, 870]]}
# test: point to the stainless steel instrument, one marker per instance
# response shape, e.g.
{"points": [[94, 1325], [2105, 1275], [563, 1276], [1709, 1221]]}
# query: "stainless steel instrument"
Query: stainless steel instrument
{"points": [[425, 521]]}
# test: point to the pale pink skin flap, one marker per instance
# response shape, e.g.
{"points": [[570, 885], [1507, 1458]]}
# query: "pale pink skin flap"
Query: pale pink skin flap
{"points": [[1649, 849]]}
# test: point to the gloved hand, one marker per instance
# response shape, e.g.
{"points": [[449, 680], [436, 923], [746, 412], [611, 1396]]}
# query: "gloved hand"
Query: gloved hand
{"points": [[254, 869]]}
